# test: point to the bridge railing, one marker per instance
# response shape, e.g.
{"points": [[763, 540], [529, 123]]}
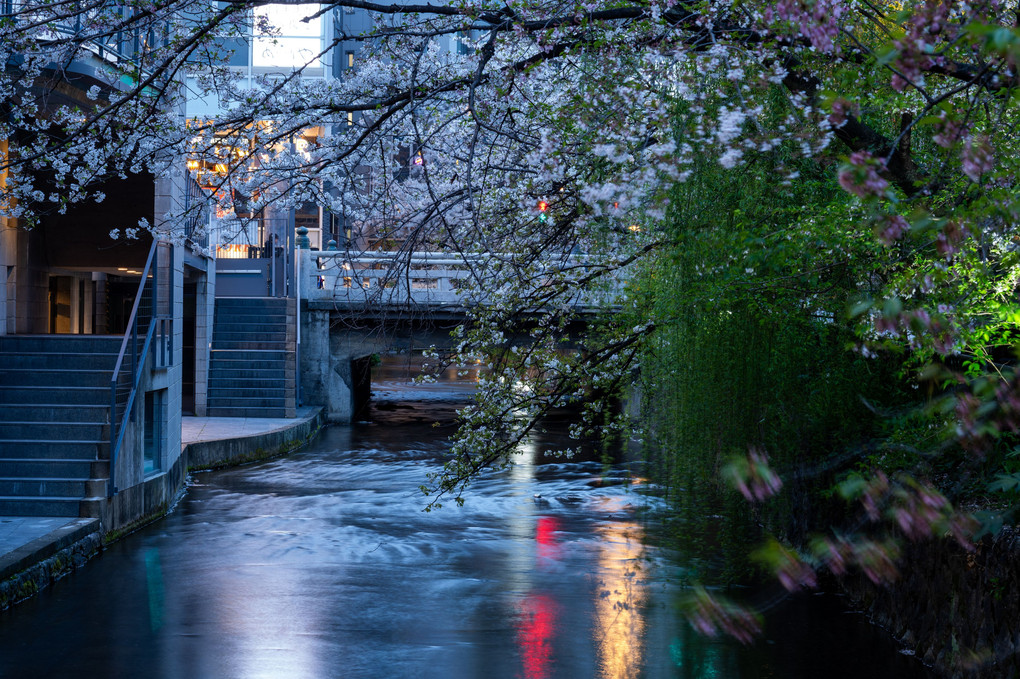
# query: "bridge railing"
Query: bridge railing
{"points": [[383, 278], [380, 278]]}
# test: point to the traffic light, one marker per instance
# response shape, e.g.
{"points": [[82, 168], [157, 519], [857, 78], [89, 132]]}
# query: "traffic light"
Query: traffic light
{"points": [[543, 208]]}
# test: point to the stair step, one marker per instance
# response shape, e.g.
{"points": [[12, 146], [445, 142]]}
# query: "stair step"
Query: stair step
{"points": [[57, 361], [228, 324], [78, 396], [250, 312], [45, 395], [277, 389], [240, 402], [80, 344], [52, 377], [242, 345], [80, 470], [250, 355], [53, 412], [274, 334], [65, 450], [42, 487], [248, 302], [55, 431], [226, 368], [40, 506], [244, 373], [248, 412], [274, 381]]}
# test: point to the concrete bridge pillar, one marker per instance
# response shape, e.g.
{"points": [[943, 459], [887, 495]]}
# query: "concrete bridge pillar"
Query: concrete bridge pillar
{"points": [[322, 372], [334, 367]]}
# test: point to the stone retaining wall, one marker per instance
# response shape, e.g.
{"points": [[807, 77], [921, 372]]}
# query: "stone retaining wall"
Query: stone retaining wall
{"points": [[44, 573]]}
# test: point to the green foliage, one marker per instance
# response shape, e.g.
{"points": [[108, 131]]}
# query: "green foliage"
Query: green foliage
{"points": [[749, 297]]}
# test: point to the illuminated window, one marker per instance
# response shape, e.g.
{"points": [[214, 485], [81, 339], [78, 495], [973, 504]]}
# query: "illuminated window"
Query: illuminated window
{"points": [[298, 42]]}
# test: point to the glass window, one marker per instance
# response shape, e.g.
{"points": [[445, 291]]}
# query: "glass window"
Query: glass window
{"points": [[294, 42]]}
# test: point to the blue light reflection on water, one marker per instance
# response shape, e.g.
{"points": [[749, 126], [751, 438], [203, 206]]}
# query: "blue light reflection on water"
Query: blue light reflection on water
{"points": [[322, 564]]}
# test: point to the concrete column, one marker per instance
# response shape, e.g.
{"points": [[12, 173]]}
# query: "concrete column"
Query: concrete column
{"points": [[8, 258], [169, 195], [175, 373], [32, 285], [99, 304], [204, 308]]}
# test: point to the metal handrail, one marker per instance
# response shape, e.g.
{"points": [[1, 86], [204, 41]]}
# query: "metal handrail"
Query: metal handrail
{"points": [[131, 339]]}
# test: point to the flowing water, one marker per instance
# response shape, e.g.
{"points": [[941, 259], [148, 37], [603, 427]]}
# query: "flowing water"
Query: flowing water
{"points": [[322, 564]]}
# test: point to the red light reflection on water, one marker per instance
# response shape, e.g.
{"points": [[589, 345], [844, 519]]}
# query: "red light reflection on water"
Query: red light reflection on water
{"points": [[537, 616], [537, 613], [545, 536]]}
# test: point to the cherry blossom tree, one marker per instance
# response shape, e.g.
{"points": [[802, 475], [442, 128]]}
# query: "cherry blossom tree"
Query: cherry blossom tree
{"points": [[550, 144]]}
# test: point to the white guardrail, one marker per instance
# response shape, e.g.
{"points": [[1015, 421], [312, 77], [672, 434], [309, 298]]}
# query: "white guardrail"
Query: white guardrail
{"points": [[380, 278]]}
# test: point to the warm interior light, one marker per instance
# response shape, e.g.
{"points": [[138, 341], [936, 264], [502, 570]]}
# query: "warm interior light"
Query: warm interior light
{"points": [[634, 227], [232, 250]]}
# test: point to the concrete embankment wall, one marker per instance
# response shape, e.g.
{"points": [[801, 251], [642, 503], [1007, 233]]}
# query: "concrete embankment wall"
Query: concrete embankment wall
{"points": [[229, 452], [958, 610]]}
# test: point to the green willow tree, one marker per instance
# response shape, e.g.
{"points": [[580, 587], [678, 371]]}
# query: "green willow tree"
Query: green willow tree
{"points": [[749, 296]]}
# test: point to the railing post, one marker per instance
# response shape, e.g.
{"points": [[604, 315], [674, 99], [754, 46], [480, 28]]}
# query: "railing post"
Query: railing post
{"points": [[134, 360], [170, 309], [112, 455], [154, 298]]}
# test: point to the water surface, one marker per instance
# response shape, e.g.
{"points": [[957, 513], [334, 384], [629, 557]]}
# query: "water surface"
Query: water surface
{"points": [[322, 564]]}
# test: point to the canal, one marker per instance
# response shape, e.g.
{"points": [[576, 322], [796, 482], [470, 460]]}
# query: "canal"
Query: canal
{"points": [[322, 564]]}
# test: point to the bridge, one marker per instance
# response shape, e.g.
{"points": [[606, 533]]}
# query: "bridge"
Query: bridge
{"points": [[354, 305]]}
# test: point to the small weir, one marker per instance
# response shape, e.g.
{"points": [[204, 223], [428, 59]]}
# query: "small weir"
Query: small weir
{"points": [[322, 564]]}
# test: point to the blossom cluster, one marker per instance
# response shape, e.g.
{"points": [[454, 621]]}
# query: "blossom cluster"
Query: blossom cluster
{"points": [[713, 616], [752, 476]]}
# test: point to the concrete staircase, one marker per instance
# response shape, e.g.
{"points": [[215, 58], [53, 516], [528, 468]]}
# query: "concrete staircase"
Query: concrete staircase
{"points": [[252, 362], [54, 423]]}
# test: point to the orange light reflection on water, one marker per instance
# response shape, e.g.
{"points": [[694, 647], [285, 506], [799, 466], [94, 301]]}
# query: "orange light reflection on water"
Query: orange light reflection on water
{"points": [[619, 601]]}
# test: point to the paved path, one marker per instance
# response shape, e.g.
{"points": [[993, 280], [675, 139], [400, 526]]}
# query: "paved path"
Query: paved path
{"points": [[26, 540], [195, 429]]}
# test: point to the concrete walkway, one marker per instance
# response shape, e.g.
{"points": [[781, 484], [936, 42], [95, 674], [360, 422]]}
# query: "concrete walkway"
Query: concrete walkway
{"points": [[28, 540], [200, 429]]}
